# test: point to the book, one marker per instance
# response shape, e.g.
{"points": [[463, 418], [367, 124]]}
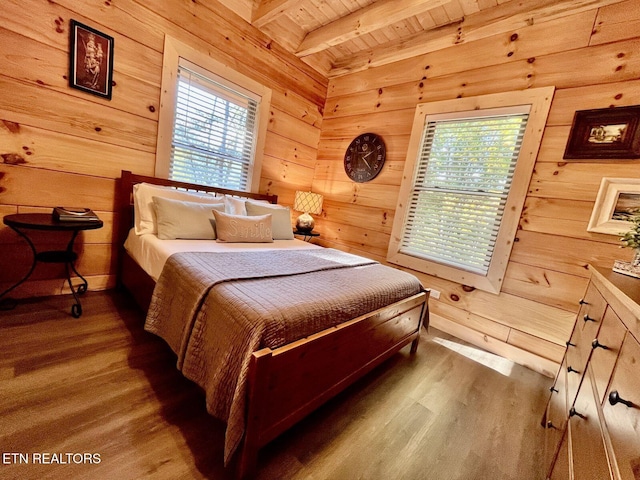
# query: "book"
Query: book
{"points": [[72, 214], [626, 268]]}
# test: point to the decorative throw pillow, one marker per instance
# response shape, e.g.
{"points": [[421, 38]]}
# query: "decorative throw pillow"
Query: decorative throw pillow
{"points": [[281, 222], [145, 212], [189, 220], [243, 229]]}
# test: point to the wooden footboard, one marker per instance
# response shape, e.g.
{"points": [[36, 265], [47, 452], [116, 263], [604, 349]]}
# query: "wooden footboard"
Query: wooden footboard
{"points": [[290, 382]]}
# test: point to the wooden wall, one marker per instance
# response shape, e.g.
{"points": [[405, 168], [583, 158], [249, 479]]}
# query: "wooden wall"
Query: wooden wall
{"points": [[62, 146], [593, 60]]}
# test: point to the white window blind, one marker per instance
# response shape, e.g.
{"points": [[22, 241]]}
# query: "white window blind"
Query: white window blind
{"points": [[214, 132], [461, 184]]}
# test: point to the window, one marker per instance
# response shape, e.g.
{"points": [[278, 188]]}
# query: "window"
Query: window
{"points": [[212, 125], [466, 176], [463, 178]]}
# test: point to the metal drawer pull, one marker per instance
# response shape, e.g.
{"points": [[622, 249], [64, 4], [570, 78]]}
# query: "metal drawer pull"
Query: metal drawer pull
{"points": [[574, 413], [551, 425], [596, 344], [571, 369], [553, 389], [583, 302], [587, 318], [569, 344], [614, 398]]}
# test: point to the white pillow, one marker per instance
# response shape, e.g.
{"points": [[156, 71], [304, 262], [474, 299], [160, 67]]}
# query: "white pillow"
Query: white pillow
{"points": [[179, 219], [234, 206], [144, 211], [244, 229], [281, 221]]}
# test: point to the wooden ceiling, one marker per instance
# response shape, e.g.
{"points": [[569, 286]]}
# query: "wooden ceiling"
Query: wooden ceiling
{"points": [[340, 36], [337, 37]]}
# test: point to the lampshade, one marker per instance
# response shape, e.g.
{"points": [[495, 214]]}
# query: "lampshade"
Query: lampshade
{"points": [[308, 202]]}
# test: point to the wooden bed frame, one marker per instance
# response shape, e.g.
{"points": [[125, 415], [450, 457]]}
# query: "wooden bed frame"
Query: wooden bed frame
{"points": [[288, 383]]}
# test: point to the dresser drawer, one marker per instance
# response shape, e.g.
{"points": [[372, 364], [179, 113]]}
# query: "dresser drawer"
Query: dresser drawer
{"points": [[574, 377], [606, 348], [561, 466], [556, 416], [622, 421], [574, 364], [588, 456], [590, 316]]}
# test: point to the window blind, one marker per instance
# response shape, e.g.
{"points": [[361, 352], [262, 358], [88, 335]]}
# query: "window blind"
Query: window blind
{"points": [[214, 132], [464, 173]]}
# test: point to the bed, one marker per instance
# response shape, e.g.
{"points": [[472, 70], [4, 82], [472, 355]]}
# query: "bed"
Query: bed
{"points": [[270, 330]]}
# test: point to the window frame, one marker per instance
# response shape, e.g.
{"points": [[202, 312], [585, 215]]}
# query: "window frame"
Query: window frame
{"points": [[539, 100], [175, 50]]}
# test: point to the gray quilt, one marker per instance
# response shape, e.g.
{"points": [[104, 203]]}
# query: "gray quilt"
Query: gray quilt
{"points": [[215, 309]]}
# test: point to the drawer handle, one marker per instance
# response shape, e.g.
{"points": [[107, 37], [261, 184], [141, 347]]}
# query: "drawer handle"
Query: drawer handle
{"points": [[574, 413], [587, 318], [569, 344], [583, 302], [553, 389], [551, 425], [614, 398], [596, 344], [571, 369]]}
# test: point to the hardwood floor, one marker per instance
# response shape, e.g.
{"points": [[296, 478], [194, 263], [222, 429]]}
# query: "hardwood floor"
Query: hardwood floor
{"points": [[101, 385]]}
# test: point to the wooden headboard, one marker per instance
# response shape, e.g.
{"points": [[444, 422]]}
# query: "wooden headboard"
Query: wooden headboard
{"points": [[124, 197]]}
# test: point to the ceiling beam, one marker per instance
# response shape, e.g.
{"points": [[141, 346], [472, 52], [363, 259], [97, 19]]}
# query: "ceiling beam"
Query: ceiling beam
{"points": [[268, 10], [504, 18], [366, 20]]}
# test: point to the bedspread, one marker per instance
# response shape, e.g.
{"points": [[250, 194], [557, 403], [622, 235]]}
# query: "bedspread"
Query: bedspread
{"points": [[215, 309]]}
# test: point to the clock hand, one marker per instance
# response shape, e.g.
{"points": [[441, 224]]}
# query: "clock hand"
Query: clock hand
{"points": [[364, 159]]}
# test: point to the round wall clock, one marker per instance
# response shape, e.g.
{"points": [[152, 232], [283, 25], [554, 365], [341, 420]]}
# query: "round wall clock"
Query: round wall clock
{"points": [[364, 157]]}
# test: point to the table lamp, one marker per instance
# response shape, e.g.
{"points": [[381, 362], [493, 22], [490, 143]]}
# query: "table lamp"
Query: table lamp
{"points": [[307, 202]]}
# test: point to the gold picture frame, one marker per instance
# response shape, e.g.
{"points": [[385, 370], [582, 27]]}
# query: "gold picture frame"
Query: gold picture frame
{"points": [[617, 201]]}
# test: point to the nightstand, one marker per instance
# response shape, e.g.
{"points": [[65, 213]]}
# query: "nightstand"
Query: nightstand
{"points": [[44, 221], [307, 235]]}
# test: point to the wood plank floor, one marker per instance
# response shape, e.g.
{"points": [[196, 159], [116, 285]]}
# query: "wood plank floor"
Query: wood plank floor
{"points": [[101, 385]]}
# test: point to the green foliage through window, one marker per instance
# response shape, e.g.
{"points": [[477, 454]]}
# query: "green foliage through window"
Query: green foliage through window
{"points": [[213, 135], [461, 185]]}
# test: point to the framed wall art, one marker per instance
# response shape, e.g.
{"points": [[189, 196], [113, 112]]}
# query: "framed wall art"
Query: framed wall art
{"points": [[91, 60], [609, 133], [617, 202]]}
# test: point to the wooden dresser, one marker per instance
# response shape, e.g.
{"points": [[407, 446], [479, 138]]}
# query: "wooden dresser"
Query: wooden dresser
{"points": [[593, 416]]}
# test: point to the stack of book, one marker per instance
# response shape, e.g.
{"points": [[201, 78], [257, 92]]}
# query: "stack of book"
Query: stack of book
{"points": [[68, 214]]}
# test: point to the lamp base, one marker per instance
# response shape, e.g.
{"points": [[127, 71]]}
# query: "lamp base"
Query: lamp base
{"points": [[305, 223]]}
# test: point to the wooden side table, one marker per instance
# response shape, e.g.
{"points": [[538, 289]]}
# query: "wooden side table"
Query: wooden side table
{"points": [[23, 222]]}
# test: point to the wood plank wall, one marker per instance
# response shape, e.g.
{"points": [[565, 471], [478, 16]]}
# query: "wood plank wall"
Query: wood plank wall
{"points": [[593, 60], [61, 146]]}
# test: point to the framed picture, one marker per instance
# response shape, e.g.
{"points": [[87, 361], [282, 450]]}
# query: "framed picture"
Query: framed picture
{"points": [[605, 133], [91, 60], [618, 200]]}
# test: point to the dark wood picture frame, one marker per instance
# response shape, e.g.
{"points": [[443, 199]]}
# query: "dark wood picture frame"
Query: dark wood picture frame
{"points": [[90, 60], [609, 133]]}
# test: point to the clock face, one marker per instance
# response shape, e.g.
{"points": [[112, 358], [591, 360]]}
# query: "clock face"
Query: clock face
{"points": [[364, 157]]}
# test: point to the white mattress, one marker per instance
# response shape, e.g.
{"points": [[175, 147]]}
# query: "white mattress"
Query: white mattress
{"points": [[151, 253]]}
